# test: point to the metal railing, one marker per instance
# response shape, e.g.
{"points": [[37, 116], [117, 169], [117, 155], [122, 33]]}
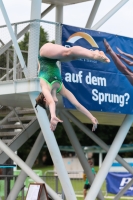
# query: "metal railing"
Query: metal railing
{"points": [[10, 67], [7, 182]]}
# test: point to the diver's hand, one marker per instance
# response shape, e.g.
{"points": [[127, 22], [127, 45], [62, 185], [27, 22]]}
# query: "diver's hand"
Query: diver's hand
{"points": [[53, 122], [95, 123]]}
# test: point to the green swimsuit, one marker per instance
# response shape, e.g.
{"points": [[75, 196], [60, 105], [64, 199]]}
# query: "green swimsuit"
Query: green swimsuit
{"points": [[49, 71]]}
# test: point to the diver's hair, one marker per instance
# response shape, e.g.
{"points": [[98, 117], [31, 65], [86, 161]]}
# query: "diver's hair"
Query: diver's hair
{"points": [[40, 101]]}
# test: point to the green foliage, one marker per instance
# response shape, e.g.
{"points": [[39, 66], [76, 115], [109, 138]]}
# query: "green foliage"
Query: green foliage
{"points": [[106, 133], [25, 42], [25, 149], [44, 38]]}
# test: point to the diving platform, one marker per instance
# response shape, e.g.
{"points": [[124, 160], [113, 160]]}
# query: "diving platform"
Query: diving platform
{"points": [[64, 2], [16, 94]]}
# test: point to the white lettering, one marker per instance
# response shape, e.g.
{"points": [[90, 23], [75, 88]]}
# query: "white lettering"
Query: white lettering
{"points": [[107, 97], [75, 78], [125, 181], [121, 100], [95, 93], [93, 80], [68, 77], [101, 97]]}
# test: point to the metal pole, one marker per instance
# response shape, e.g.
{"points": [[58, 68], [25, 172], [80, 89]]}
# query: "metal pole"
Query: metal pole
{"points": [[59, 14], [100, 158], [41, 114], [25, 30], [93, 13], [5, 187], [27, 169], [29, 161], [76, 145], [96, 139], [53, 149], [7, 65], [56, 184], [59, 19], [109, 14], [3, 146], [15, 56], [102, 173], [33, 48]]}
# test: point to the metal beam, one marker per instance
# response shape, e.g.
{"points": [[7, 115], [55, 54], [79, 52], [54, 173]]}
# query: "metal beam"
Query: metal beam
{"points": [[78, 149], [53, 149], [16, 46], [27, 169], [93, 14], [33, 46], [119, 195], [59, 14], [96, 139], [21, 139], [109, 14], [29, 161], [42, 115], [113, 151], [25, 30]]}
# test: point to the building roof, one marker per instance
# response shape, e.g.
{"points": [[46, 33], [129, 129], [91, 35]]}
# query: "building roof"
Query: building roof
{"points": [[95, 149]]}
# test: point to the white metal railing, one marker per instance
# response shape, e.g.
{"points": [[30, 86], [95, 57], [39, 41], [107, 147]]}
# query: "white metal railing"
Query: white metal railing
{"points": [[10, 67]]}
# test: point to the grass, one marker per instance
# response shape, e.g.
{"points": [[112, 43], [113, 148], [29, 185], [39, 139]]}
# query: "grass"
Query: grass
{"points": [[77, 184]]}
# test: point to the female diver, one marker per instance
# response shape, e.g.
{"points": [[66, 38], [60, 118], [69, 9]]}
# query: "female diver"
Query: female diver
{"points": [[51, 80]]}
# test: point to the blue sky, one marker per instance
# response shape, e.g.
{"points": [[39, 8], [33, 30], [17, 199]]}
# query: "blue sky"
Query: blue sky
{"points": [[76, 15]]}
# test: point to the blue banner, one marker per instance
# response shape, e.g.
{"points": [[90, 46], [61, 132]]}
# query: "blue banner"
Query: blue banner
{"points": [[106, 87], [121, 180]]}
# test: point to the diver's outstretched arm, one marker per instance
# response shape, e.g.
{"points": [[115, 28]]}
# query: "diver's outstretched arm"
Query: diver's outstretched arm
{"points": [[67, 94], [51, 104]]}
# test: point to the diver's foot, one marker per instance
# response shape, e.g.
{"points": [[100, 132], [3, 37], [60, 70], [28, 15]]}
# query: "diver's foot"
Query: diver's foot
{"points": [[104, 57], [99, 55]]}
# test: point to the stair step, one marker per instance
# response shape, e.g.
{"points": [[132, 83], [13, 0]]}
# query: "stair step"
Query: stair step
{"points": [[12, 126], [27, 111], [15, 119], [7, 134]]}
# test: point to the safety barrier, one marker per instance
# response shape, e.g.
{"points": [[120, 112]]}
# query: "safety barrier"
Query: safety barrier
{"points": [[10, 67], [7, 183]]}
